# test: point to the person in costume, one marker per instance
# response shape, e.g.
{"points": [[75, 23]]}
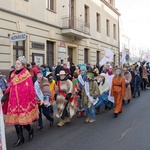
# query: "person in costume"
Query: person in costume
{"points": [[128, 79], [81, 78], [43, 97], [64, 99], [110, 76], [118, 91], [89, 96], [52, 85], [104, 91], [20, 105]]}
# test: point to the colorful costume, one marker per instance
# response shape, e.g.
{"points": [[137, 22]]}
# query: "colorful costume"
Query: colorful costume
{"points": [[90, 94], [128, 79], [22, 106], [118, 92], [64, 100]]}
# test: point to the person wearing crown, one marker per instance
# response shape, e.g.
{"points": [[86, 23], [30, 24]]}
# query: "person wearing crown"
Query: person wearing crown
{"points": [[20, 105]]}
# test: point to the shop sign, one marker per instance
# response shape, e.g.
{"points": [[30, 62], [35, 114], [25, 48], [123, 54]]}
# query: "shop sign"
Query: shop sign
{"points": [[38, 45], [18, 37]]}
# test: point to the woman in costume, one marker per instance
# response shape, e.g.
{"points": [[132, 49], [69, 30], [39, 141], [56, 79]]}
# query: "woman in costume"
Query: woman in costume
{"points": [[128, 79], [64, 99], [118, 91], [20, 106]]}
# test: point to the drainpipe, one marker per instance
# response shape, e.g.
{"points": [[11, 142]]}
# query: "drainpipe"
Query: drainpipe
{"points": [[119, 38]]}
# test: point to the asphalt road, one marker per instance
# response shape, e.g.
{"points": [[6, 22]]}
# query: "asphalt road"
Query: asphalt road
{"points": [[130, 131]]}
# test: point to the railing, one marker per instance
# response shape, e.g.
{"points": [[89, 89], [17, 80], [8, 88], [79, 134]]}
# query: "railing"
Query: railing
{"points": [[76, 24]]}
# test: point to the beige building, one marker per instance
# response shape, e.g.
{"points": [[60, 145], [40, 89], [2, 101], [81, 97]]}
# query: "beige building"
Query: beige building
{"points": [[48, 31]]}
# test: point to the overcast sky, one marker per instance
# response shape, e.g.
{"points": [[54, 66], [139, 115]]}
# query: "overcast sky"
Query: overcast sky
{"points": [[135, 18]]}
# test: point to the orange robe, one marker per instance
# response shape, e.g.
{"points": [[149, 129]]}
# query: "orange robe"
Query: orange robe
{"points": [[118, 92]]}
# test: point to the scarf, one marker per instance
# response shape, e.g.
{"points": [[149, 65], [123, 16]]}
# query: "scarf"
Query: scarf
{"points": [[38, 91], [104, 87], [109, 73]]}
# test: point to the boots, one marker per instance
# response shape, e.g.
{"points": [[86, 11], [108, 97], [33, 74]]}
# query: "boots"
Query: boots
{"points": [[19, 132], [30, 130]]}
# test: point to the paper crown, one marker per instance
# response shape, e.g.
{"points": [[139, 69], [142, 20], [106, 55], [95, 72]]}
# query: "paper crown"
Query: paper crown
{"points": [[22, 59], [83, 67]]}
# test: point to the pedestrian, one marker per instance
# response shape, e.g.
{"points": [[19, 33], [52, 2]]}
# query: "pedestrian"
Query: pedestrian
{"points": [[118, 91], [72, 69], [89, 96], [57, 70], [43, 97], [44, 70], [64, 91], [3, 83], [136, 82], [11, 71], [20, 105], [148, 73], [34, 69]]}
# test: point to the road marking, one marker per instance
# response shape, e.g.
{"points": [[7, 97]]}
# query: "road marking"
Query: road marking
{"points": [[126, 131]]}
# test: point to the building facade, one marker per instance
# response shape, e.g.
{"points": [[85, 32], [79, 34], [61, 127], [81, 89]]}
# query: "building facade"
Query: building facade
{"points": [[49, 31]]}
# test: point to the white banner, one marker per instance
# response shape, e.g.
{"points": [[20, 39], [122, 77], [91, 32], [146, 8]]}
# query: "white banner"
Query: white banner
{"points": [[147, 57], [108, 57], [2, 127], [123, 59]]}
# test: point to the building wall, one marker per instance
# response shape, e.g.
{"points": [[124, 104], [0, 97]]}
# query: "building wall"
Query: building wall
{"points": [[42, 25]]}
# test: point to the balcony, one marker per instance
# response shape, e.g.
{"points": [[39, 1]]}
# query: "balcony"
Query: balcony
{"points": [[72, 26]]}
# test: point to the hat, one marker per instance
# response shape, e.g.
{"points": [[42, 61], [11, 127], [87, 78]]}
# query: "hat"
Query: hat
{"points": [[83, 67], [110, 67], [48, 74], [39, 72], [22, 59], [62, 72]]}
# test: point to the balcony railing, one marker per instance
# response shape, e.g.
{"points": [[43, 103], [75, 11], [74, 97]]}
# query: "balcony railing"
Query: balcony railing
{"points": [[76, 24]]}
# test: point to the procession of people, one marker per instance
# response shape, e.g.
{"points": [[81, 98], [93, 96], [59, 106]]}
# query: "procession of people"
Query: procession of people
{"points": [[78, 91]]}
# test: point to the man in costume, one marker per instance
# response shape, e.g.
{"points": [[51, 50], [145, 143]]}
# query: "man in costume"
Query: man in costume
{"points": [[64, 99]]}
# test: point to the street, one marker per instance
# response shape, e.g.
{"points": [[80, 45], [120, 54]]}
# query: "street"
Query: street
{"points": [[130, 131]]}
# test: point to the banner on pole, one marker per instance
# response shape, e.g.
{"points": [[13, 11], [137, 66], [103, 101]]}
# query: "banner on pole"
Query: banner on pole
{"points": [[108, 57]]}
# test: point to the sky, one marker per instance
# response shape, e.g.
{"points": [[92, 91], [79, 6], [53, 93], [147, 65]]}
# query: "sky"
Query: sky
{"points": [[135, 20]]}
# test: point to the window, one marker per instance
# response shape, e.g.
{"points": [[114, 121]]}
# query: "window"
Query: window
{"points": [[86, 52], [98, 57], [107, 27], [18, 50], [98, 19], [111, 2], [114, 31], [51, 5], [86, 13]]}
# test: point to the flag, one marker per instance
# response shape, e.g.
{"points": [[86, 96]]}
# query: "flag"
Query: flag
{"points": [[123, 59], [108, 57]]}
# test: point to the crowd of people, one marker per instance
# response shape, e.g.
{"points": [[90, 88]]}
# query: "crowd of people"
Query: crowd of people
{"points": [[79, 90]]}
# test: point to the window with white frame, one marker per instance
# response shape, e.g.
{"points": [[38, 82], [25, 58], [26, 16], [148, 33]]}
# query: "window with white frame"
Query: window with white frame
{"points": [[51, 5]]}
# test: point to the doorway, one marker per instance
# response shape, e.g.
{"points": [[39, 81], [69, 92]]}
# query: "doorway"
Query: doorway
{"points": [[50, 53], [70, 55]]}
